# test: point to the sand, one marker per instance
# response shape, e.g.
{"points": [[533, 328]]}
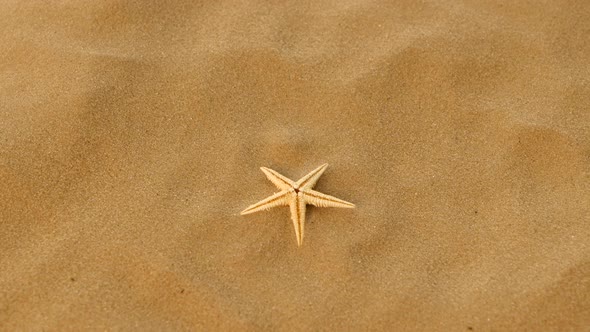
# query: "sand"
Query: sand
{"points": [[132, 134]]}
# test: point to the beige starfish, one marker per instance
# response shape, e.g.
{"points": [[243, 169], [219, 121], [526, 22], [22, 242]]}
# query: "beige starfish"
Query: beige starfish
{"points": [[297, 195]]}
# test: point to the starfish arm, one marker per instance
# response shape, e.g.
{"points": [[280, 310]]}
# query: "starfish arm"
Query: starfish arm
{"points": [[312, 177], [297, 205], [282, 182], [278, 199], [318, 199]]}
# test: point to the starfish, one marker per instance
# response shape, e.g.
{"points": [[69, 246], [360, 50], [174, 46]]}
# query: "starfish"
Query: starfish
{"points": [[296, 195]]}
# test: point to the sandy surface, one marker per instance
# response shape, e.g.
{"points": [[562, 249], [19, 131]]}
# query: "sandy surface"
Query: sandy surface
{"points": [[132, 134]]}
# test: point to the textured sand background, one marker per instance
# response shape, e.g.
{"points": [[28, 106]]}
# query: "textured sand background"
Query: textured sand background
{"points": [[132, 133]]}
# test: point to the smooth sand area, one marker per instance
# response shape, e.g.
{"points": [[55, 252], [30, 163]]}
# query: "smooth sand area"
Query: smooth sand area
{"points": [[132, 133]]}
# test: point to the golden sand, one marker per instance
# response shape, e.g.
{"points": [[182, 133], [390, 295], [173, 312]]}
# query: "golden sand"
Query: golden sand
{"points": [[132, 134]]}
